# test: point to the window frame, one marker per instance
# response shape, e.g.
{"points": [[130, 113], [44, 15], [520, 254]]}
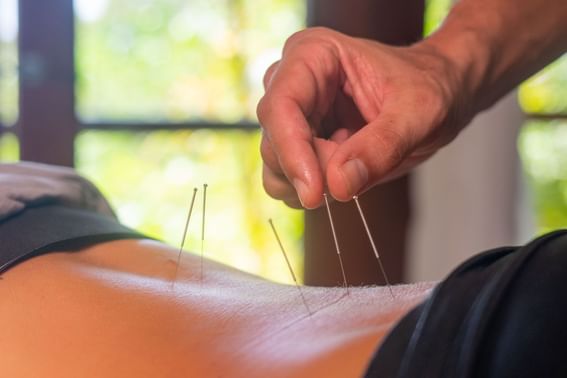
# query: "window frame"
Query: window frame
{"points": [[48, 124]]}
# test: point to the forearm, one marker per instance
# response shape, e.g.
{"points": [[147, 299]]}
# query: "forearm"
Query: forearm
{"points": [[495, 44]]}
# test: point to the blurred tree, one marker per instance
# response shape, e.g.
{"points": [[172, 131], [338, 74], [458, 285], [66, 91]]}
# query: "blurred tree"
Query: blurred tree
{"points": [[176, 60], [546, 92]]}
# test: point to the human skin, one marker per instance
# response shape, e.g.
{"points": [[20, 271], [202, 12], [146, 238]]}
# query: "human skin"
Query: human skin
{"points": [[343, 114], [112, 310]]}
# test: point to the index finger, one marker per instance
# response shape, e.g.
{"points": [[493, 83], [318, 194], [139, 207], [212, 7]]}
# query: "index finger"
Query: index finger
{"points": [[290, 136], [282, 113]]}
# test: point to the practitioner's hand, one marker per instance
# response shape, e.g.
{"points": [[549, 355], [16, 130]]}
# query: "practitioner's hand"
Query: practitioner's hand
{"points": [[348, 113]]}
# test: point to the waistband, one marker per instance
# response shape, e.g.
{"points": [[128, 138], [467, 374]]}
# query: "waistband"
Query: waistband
{"points": [[44, 229]]}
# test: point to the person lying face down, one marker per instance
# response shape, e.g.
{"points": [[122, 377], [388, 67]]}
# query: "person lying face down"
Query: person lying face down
{"points": [[82, 295]]}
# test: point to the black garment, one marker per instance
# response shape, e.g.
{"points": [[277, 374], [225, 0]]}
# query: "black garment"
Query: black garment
{"points": [[501, 314], [39, 230]]}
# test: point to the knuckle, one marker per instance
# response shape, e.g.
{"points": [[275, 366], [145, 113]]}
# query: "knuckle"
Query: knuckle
{"points": [[269, 74], [267, 154], [262, 110], [313, 36], [293, 203], [320, 31], [269, 190], [268, 183], [295, 38], [265, 148], [276, 187]]}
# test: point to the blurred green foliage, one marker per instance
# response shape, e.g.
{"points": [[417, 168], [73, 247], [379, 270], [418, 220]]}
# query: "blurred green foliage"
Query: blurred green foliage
{"points": [[174, 60], [9, 148], [150, 177], [8, 63], [543, 147], [435, 13], [543, 144], [546, 92]]}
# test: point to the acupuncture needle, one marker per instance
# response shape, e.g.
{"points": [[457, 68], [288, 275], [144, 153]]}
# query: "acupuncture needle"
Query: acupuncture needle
{"points": [[355, 198], [203, 227], [185, 232], [289, 266], [336, 241]]}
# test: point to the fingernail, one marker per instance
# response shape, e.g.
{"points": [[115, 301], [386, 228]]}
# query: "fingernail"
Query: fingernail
{"points": [[355, 175], [301, 189]]}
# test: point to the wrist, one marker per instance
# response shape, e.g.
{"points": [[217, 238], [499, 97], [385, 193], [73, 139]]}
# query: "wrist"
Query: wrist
{"points": [[464, 69], [454, 72], [466, 43]]}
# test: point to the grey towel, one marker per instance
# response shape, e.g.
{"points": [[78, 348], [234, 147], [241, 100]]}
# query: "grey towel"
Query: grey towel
{"points": [[28, 184]]}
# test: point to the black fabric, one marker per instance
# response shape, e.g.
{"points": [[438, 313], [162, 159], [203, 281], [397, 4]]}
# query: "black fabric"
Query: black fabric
{"points": [[39, 230], [501, 314]]}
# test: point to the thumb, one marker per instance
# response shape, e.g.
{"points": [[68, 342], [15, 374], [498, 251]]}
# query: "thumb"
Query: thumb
{"points": [[367, 156]]}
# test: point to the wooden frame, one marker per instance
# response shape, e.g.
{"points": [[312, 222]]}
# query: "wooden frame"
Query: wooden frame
{"points": [[47, 125], [387, 206]]}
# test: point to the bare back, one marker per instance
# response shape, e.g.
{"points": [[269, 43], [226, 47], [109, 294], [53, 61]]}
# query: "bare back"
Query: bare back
{"points": [[113, 310]]}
